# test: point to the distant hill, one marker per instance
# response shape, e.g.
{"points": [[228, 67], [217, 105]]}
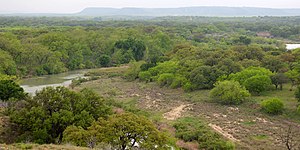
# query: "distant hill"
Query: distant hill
{"points": [[189, 11]]}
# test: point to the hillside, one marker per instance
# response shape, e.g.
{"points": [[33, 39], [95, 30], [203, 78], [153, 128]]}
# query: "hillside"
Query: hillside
{"points": [[189, 11]]}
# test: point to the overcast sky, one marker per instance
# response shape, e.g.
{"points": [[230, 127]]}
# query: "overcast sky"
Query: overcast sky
{"points": [[71, 6]]}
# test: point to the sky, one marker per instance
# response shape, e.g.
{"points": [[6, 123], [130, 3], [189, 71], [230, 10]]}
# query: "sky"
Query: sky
{"points": [[73, 6]]}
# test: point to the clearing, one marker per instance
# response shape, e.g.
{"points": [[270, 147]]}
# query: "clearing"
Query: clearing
{"points": [[245, 124]]}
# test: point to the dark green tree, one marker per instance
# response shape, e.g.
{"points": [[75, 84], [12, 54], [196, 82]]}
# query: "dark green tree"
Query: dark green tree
{"points": [[43, 118], [104, 60], [121, 131], [10, 89]]}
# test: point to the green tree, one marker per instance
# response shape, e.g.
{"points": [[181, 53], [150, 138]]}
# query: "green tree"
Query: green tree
{"points": [[258, 83], [104, 60], [43, 118], [7, 64], [278, 80], [10, 89], [245, 74], [122, 131], [204, 77], [229, 92], [243, 40], [294, 77], [145, 76], [137, 47]]}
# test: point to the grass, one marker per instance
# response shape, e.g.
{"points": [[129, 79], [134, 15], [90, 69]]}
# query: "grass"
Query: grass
{"points": [[26, 146], [131, 96], [288, 98], [285, 95], [249, 123], [198, 96], [260, 137]]}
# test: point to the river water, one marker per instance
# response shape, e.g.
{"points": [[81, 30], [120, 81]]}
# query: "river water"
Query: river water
{"points": [[31, 85], [292, 46]]}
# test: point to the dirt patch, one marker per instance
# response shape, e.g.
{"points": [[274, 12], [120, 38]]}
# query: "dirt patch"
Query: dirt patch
{"points": [[224, 133], [176, 112]]}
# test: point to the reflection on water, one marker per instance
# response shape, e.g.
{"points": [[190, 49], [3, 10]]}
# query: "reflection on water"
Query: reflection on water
{"points": [[31, 85]]}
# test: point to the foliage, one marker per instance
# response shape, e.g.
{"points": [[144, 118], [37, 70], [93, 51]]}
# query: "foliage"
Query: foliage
{"points": [[255, 79], [43, 118], [10, 89], [204, 77], [191, 129], [278, 80], [229, 92], [257, 83], [245, 74], [145, 76], [8, 65], [272, 106], [122, 131], [297, 93], [134, 69], [165, 79], [104, 60], [137, 47]]}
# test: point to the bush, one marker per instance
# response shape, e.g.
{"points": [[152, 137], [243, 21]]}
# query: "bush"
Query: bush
{"points": [[191, 129], [272, 106], [133, 72], [178, 81], [119, 131], [43, 118], [10, 89], [298, 110], [188, 87], [145, 76], [242, 76], [229, 92], [165, 79], [297, 93], [258, 83]]}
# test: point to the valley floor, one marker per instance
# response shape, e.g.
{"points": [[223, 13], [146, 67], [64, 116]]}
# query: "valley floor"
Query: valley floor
{"points": [[245, 124]]}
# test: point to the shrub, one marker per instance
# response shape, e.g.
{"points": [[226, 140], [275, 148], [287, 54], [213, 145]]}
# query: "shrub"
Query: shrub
{"points": [[120, 131], [133, 72], [272, 106], [258, 83], [10, 89], [297, 93], [191, 129], [165, 79], [178, 81], [242, 76], [188, 87], [229, 92], [145, 76], [43, 118], [298, 109]]}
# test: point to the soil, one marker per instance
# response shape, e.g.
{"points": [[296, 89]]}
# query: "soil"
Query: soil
{"points": [[245, 124]]}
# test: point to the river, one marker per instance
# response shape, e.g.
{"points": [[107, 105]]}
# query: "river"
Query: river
{"points": [[31, 85], [292, 46]]}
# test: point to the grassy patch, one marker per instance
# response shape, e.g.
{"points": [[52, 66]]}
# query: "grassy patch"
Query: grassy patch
{"points": [[25, 146], [192, 129], [198, 96], [249, 123], [108, 72], [260, 137]]}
